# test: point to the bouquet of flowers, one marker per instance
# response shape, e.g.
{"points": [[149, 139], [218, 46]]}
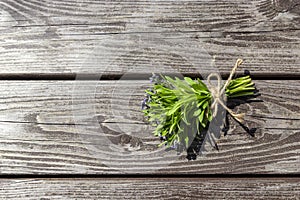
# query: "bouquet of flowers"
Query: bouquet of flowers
{"points": [[182, 109]]}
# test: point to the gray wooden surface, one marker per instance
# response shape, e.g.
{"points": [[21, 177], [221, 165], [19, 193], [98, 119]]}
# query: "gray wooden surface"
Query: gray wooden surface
{"points": [[52, 128], [54, 118], [62, 37], [141, 188]]}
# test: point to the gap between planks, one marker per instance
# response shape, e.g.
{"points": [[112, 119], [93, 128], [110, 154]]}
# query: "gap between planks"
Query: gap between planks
{"points": [[132, 76]]}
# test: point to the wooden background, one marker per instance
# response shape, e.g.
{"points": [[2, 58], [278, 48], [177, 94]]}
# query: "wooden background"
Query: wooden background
{"points": [[54, 108]]}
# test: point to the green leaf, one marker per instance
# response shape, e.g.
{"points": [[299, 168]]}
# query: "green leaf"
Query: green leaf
{"points": [[186, 141], [174, 108], [201, 116], [189, 81], [197, 113]]}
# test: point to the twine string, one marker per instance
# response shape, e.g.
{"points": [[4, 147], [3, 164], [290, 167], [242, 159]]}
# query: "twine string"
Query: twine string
{"points": [[218, 91]]}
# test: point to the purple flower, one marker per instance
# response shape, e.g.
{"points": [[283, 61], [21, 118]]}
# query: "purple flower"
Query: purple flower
{"points": [[155, 79], [144, 104], [175, 145]]}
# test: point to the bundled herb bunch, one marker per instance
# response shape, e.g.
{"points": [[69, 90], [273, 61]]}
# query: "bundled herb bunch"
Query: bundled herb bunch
{"points": [[181, 109]]}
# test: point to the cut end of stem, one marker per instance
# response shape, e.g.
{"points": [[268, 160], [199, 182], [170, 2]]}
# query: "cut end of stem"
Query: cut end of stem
{"points": [[239, 117]]}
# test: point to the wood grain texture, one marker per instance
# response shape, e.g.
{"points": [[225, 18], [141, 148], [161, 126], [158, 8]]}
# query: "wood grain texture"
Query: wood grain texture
{"points": [[194, 188], [67, 37], [97, 127]]}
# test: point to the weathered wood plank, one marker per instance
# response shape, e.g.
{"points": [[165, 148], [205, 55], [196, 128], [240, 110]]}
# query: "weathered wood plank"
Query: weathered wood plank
{"points": [[66, 37], [96, 127], [150, 188]]}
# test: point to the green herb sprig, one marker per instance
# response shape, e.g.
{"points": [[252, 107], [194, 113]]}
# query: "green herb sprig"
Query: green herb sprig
{"points": [[182, 109]]}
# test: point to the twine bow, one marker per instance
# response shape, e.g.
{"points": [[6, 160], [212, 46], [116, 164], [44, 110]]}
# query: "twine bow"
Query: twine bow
{"points": [[217, 93]]}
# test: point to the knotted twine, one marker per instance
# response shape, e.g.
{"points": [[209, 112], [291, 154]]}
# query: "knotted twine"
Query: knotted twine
{"points": [[217, 93]]}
